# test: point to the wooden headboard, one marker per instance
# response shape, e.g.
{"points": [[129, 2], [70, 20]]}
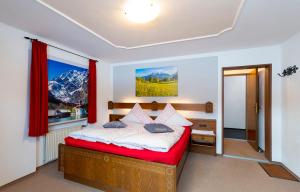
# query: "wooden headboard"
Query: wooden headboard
{"points": [[201, 123], [155, 106]]}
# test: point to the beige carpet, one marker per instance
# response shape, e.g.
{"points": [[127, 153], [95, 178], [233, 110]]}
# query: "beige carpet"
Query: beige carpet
{"points": [[220, 174], [201, 173], [242, 149], [47, 179]]}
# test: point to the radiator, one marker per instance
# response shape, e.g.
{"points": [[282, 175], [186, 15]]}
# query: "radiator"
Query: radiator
{"points": [[53, 138]]}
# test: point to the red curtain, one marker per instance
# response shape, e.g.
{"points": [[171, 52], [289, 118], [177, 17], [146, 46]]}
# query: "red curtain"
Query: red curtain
{"points": [[38, 114], [92, 92]]}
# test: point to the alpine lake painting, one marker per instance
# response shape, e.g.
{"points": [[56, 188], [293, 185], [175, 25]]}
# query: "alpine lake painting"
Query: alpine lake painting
{"points": [[67, 92], [157, 82]]}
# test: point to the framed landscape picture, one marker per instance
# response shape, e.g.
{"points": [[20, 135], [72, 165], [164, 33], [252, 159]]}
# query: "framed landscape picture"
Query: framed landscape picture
{"points": [[67, 92], [157, 82]]}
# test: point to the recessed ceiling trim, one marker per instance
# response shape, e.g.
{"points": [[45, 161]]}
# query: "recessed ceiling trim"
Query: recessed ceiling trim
{"points": [[145, 45]]}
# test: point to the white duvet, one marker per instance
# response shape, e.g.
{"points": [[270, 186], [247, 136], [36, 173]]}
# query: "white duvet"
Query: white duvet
{"points": [[134, 136]]}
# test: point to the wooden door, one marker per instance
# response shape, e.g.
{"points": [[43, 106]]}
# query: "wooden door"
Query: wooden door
{"points": [[252, 108]]}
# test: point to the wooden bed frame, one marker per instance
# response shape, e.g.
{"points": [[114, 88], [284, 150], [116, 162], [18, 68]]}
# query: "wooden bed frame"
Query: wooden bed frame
{"points": [[111, 172]]}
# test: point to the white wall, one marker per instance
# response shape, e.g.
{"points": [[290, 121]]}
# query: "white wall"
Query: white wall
{"points": [[291, 106], [104, 91], [20, 155], [254, 56], [235, 102], [18, 152], [197, 83]]}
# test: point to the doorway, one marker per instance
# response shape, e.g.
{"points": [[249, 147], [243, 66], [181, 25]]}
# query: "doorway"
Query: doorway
{"points": [[246, 113]]}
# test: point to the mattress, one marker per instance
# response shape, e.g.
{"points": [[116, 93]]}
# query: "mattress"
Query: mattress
{"points": [[134, 136], [172, 157]]}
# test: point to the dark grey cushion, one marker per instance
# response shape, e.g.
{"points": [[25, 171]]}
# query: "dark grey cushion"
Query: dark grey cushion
{"points": [[157, 128], [115, 124]]}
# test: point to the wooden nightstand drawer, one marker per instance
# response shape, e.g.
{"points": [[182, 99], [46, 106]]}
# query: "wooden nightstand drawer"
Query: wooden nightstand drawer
{"points": [[204, 124], [211, 150], [203, 138], [201, 142]]}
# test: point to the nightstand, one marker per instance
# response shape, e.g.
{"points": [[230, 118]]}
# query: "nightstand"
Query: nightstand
{"points": [[203, 139]]}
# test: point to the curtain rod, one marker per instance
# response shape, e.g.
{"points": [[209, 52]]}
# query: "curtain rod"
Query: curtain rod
{"points": [[31, 39]]}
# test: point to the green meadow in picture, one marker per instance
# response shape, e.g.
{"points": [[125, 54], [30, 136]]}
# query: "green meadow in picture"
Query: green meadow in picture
{"points": [[157, 82]]}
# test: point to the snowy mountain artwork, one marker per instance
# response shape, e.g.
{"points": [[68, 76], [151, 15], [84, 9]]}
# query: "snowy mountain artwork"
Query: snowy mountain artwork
{"points": [[157, 82], [67, 92]]}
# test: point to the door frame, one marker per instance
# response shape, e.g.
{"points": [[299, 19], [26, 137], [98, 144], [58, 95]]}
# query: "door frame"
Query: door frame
{"points": [[268, 105]]}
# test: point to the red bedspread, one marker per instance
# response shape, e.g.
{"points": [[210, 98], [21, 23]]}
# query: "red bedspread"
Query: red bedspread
{"points": [[172, 157]]}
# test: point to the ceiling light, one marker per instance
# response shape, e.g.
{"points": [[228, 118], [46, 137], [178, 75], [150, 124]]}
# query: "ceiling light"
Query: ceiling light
{"points": [[141, 11]]}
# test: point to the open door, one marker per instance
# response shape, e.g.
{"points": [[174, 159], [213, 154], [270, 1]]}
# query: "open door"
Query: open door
{"points": [[252, 108]]}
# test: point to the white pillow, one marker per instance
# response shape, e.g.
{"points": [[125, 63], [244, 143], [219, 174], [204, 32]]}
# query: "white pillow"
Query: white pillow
{"points": [[170, 116], [137, 115]]}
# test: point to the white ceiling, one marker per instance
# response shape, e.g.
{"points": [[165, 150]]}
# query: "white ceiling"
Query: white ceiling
{"points": [[180, 21], [260, 23]]}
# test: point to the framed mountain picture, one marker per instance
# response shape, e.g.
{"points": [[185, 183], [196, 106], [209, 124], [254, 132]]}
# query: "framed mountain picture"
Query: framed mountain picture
{"points": [[157, 82], [67, 92]]}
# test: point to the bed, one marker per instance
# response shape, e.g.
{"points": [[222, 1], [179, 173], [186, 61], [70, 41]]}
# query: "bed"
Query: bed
{"points": [[112, 168]]}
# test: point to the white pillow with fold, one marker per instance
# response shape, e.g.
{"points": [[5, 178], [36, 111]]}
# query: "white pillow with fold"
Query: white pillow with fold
{"points": [[170, 116], [137, 115]]}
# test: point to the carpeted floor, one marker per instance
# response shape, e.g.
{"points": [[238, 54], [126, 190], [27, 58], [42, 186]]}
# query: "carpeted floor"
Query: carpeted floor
{"points": [[241, 148], [201, 173]]}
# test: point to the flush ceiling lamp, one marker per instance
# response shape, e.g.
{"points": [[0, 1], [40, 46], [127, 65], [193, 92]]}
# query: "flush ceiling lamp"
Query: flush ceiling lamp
{"points": [[141, 11]]}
